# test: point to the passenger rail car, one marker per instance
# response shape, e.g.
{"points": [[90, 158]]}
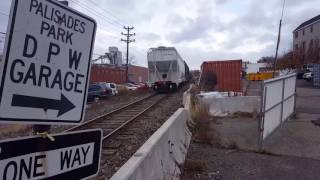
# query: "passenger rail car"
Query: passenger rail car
{"points": [[167, 70]]}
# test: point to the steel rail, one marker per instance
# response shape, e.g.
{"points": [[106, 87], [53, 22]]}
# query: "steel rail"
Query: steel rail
{"points": [[132, 119], [109, 113]]}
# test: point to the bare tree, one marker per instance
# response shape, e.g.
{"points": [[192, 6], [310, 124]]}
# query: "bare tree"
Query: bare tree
{"points": [[131, 59]]}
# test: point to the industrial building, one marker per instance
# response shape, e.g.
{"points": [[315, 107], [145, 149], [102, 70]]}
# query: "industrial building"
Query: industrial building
{"points": [[109, 68]]}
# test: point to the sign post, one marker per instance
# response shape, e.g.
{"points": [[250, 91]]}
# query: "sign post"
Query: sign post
{"points": [[74, 155], [45, 71]]}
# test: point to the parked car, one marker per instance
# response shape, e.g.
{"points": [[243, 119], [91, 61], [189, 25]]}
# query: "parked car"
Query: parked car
{"points": [[307, 76], [113, 88], [149, 84], [97, 91], [131, 86], [142, 86], [300, 73]]}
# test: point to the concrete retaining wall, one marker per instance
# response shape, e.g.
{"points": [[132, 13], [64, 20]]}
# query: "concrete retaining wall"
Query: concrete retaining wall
{"points": [[160, 157], [222, 106], [186, 98]]}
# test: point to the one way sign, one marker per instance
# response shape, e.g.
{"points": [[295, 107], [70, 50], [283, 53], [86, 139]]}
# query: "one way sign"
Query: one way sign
{"points": [[74, 155], [44, 73]]}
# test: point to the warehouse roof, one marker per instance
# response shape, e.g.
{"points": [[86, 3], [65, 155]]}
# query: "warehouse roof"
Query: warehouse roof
{"points": [[310, 21]]}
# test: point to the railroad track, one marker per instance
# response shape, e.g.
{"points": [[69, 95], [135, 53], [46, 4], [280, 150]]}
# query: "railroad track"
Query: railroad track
{"points": [[115, 120]]}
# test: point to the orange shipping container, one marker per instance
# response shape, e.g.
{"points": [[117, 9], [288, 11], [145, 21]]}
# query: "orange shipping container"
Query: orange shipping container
{"points": [[228, 74], [107, 74], [138, 73]]}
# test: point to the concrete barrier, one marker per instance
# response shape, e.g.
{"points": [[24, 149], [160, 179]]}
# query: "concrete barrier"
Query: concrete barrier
{"points": [[186, 98], [223, 106], [163, 153]]}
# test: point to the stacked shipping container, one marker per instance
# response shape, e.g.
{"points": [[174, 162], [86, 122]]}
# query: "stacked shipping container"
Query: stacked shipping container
{"points": [[105, 73], [228, 74], [100, 73], [138, 74]]}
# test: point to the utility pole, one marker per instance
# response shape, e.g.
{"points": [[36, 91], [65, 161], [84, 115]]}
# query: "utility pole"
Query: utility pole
{"points": [[128, 41], [278, 41]]}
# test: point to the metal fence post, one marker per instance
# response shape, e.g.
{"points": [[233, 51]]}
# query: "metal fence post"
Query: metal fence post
{"points": [[262, 111], [282, 102], [295, 99]]}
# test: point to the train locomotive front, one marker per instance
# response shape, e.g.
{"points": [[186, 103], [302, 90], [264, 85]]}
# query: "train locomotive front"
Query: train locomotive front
{"points": [[167, 70]]}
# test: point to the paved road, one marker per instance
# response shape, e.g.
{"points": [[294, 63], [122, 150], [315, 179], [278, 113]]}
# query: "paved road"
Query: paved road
{"points": [[297, 145], [300, 136]]}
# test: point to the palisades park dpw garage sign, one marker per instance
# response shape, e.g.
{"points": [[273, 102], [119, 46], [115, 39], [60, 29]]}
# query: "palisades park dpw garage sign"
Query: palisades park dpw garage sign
{"points": [[44, 73]]}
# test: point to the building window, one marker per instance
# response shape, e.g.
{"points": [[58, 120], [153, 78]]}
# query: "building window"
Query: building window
{"points": [[296, 47], [303, 32], [296, 34], [311, 28], [303, 45]]}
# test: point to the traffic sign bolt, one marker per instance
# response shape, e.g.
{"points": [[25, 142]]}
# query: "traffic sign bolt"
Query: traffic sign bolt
{"points": [[45, 135]]}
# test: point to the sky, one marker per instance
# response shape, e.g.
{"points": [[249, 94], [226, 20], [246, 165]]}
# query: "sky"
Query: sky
{"points": [[200, 30]]}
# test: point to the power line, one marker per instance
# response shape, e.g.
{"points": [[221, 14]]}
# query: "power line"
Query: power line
{"points": [[96, 54], [111, 17], [97, 14], [128, 41], [93, 12], [108, 12], [104, 26]]}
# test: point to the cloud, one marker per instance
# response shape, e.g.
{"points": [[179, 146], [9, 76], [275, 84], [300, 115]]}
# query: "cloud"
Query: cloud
{"points": [[199, 29], [194, 30], [149, 37], [221, 2]]}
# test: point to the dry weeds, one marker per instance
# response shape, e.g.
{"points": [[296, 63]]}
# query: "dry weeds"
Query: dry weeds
{"points": [[195, 165], [203, 130], [12, 130]]}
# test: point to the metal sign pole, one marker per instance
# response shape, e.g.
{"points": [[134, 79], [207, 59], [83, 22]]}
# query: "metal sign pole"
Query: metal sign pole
{"points": [[44, 130], [40, 129]]}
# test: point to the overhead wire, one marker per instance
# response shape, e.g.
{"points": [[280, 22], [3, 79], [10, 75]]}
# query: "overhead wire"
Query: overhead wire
{"points": [[119, 21], [102, 24], [95, 13], [94, 9], [101, 11]]}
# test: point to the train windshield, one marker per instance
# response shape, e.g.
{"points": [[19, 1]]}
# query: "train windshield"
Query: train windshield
{"points": [[162, 66]]}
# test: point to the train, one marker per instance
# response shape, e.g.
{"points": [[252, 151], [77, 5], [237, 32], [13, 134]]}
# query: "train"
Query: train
{"points": [[167, 70]]}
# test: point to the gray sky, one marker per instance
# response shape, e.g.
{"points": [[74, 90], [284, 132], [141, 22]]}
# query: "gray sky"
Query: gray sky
{"points": [[200, 29]]}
